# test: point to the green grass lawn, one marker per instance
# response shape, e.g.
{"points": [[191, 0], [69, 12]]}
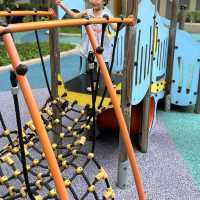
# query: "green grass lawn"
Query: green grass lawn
{"points": [[75, 30], [29, 51]]}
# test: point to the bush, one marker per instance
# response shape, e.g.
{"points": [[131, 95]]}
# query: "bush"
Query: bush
{"points": [[23, 6], [193, 16], [30, 6], [76, 30], [29, 50]]}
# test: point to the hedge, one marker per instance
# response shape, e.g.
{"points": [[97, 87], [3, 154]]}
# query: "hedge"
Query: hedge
{"points": [[193, 16], [29, 51], [24, 6]]}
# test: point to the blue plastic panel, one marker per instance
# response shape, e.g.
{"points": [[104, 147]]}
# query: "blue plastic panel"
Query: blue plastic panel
{"points": [[119, 54], [185, 70], [77, 4], [186, 65], [146, 66], [152, 46], [143, 58], [160, 50], [151, 56]]}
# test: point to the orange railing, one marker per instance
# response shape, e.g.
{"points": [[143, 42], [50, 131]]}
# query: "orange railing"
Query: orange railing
{"points": [[30, 26], [27, 13]]}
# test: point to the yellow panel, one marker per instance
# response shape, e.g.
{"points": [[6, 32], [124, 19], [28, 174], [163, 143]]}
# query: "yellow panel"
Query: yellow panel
{"points": [[61, 86], [158, 86], [155, 41], [83, 99]]}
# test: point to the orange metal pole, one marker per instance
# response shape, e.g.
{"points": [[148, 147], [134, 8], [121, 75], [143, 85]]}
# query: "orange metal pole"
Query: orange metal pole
{"points": [[119, 115], [30, 26], [25, 13], [33, 109]]}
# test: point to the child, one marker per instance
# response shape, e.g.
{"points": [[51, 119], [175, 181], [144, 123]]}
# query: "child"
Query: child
{"points": [[97, 10]]}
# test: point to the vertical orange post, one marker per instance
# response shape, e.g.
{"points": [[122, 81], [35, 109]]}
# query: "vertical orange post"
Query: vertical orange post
{"points": [[118, 113], [34, 111]]}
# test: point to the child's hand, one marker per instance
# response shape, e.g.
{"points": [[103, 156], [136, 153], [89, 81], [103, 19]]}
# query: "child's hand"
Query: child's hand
{"points": [[59, 3], [84, 13]]}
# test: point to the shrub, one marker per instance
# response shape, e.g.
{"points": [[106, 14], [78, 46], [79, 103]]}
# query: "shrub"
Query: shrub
{"points": [[22, 6], [29, 50], [193, 16], [76, 30]]}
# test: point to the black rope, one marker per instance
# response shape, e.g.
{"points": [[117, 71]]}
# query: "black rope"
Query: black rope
{"points": [[2, 122], [5, 128], [43, 64], [119, 27], [112, 62], [91, 64], [20, 134], [42, 61], [94, 90], [98, 72]]}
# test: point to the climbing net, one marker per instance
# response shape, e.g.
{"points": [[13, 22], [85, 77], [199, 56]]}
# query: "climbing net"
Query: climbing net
{"points": [[27, 171], [77, 163], [71, 126]]}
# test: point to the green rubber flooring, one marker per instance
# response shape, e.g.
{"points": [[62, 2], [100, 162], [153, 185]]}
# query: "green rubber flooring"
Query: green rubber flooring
{"points": [[184, 130]]}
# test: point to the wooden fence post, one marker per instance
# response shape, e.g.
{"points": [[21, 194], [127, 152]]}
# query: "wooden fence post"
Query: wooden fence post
{"points": [[170, 58], [55, 67], [130, 40], [143, 137]]}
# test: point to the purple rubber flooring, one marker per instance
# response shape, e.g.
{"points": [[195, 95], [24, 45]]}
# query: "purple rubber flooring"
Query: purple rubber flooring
{"points": [[162, 168]]}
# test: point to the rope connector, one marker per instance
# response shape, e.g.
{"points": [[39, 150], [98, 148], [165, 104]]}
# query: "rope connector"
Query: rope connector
{"points": [[3, 179], [109, 194], [38, 197], [21, 69], [91, 188], [11, 191], [99, 50], [102, 175], [52, 193], [79, 170], [67, 183], [14, 90], [35, 10], [138, 20], [106, 16], [6, 132]]}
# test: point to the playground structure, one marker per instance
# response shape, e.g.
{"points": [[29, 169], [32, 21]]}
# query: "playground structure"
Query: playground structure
{"points": [[161, 67], [150, 65], [20, 72]]}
